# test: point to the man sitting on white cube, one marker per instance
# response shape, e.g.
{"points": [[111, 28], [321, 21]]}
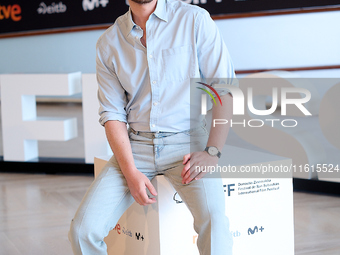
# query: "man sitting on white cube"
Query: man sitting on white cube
{"points": [[145, 64]]}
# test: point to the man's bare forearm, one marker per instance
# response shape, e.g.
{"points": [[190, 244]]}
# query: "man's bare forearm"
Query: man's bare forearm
{"points": [[218, 134], [217, 138], [117, 136], [137, 182]]}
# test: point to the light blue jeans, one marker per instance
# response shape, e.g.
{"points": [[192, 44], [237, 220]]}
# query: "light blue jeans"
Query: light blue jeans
{"points": [[108, 196]]}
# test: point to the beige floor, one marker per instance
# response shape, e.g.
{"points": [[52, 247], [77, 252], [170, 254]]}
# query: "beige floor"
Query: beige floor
{"points": [[35, 212]]}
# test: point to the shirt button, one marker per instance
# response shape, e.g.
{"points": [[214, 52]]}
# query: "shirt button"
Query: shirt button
{"points": [[154, 82], [153, 125], [155, 103], [150, 56], [137, 38]]}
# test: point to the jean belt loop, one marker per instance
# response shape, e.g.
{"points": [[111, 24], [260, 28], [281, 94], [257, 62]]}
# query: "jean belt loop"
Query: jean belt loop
{"points": [[134, 131]]}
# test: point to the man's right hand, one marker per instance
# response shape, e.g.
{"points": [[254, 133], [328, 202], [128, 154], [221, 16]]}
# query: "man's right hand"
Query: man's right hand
{"points": [[118, 138], [138, 183]]}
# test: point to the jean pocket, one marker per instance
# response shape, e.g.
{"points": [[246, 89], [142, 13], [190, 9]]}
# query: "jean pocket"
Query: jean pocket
{"points": [[197, 132]]}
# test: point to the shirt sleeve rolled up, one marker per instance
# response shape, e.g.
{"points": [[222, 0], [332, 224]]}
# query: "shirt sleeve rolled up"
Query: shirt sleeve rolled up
{"points": [[111, 94]]}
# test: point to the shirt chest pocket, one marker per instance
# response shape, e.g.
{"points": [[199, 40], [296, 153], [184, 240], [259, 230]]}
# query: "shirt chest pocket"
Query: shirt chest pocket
{"points": [[178, 63]]}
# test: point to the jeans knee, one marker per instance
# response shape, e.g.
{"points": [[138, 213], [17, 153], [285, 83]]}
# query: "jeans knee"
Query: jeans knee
{"points": [[74, 233], [214, 220], [86, 236], [78, 234], [219, 220]]}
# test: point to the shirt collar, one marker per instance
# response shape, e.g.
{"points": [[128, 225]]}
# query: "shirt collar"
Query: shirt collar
{"points": [[160, 12], [129, 23]]}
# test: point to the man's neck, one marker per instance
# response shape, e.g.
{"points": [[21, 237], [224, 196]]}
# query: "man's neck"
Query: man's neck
{"points": [[141, 12]]}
